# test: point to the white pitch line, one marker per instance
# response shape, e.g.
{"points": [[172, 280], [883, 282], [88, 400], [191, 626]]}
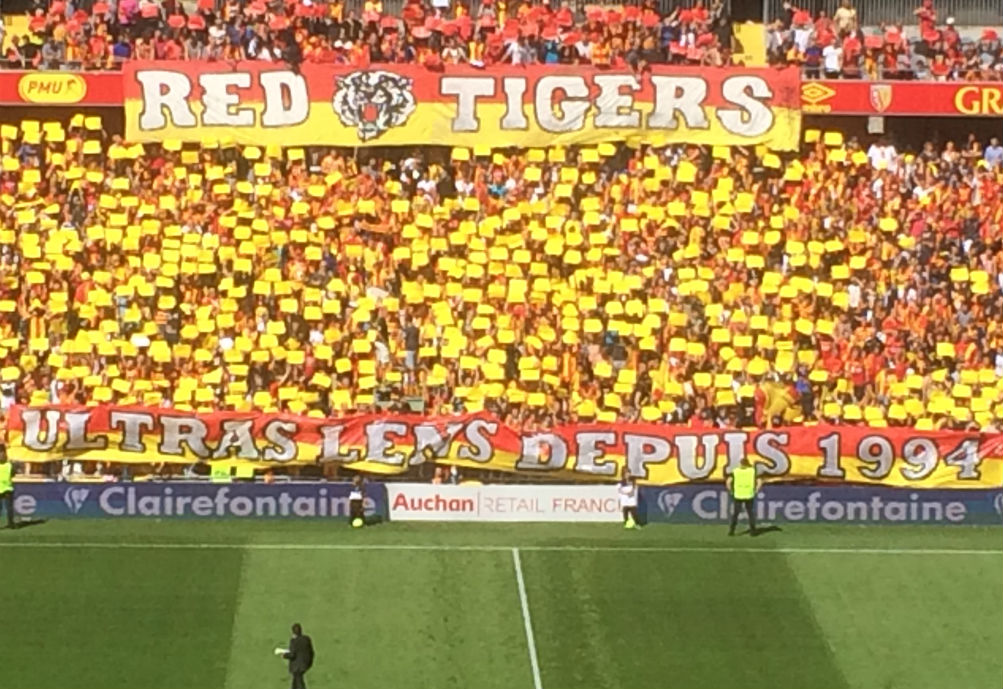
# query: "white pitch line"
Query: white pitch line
{"points": [[495, 548], [527, 621]]}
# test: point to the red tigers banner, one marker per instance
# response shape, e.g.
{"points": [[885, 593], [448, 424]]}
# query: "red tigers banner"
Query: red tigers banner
{"points": [[394, 105], [656, 454]]}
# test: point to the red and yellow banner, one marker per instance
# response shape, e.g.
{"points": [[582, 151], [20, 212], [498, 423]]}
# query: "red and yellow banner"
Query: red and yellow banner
{"points": [[396, 105], [61, 88], [505, 85], [903, 98], [656, 454]]}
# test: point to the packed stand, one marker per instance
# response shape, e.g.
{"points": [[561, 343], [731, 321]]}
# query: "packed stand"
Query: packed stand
{"points": [[837, 47], [61, 37], [617, 283]]}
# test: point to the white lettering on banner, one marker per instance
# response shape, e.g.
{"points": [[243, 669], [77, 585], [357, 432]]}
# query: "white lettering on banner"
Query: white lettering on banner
{"points": [[165, 91], [561, 103], [777, 462], [280, 433], [590, 451], [682, 95], [503, 503], [237, 434], [428, 437], [76, 433], [165, 99], [616, 108], [33, 431], [287, 102], [572, 107], [514, 117], [480, 448], [751, 117], [676, 100], [467, 90], [714, 505], [25, 505], [380, 442], [331, 448], [132, 424], [398, 443], [220, 99], [543, 451], [125, 501]]}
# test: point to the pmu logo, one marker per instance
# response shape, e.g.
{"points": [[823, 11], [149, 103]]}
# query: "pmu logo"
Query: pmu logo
{"points": [[75, 499], [998, 503], [668, 501]]}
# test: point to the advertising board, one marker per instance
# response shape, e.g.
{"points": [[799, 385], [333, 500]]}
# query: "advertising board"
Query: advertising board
{"points": [[178, 500], [830, 504], [502, 503]]}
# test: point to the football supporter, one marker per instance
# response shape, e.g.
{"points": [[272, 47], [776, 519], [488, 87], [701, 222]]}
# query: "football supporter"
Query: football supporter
{"points": [[705, 286], [64, 36], [838, 47]]}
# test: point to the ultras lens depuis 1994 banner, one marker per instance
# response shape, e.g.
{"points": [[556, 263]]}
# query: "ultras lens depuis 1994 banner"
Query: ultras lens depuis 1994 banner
{"points": [[387, 444], [395, 105]]}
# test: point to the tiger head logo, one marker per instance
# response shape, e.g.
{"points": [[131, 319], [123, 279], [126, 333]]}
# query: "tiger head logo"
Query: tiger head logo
{"points": [[373, 102]]}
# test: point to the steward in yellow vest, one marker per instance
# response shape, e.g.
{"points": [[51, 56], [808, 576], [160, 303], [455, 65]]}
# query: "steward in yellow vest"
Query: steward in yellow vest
{"points": [[743, 486], [7, 486]]}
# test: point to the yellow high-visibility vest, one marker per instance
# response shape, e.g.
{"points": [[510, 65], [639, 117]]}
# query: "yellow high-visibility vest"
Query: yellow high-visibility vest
{"points": [[6, 477], [743, 483]]}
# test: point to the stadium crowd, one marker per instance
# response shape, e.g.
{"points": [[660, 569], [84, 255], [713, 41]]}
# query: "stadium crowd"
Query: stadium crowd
{"points": [[617, 282], [837, 47], [440, 32]]}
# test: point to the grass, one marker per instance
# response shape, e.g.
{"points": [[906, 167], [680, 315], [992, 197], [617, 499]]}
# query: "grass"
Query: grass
{"points": [[668, 606]]}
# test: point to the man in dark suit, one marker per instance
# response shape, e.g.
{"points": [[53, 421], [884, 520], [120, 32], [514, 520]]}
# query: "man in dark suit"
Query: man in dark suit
{"points": [[300, 656]]}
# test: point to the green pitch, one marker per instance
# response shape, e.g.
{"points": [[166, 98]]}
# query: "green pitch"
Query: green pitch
{"points": [[668, 606]]}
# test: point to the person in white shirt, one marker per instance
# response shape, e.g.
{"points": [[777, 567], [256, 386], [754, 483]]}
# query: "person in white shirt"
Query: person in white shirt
{"points": [[627, 488], [519, 52], [832, 59], [883, 152]]}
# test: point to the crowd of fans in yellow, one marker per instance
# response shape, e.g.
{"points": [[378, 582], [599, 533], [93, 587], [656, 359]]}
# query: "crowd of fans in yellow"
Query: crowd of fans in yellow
{"points": [[621, 282]]}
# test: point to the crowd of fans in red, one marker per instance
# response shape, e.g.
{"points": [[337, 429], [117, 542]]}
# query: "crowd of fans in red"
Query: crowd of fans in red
{"points": [[837, 47], [844, 284], [438, 32]]}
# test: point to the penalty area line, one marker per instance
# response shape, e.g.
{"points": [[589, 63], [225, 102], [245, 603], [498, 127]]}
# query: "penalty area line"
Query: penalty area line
{"points": [[494, 548], [527, 621]]}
